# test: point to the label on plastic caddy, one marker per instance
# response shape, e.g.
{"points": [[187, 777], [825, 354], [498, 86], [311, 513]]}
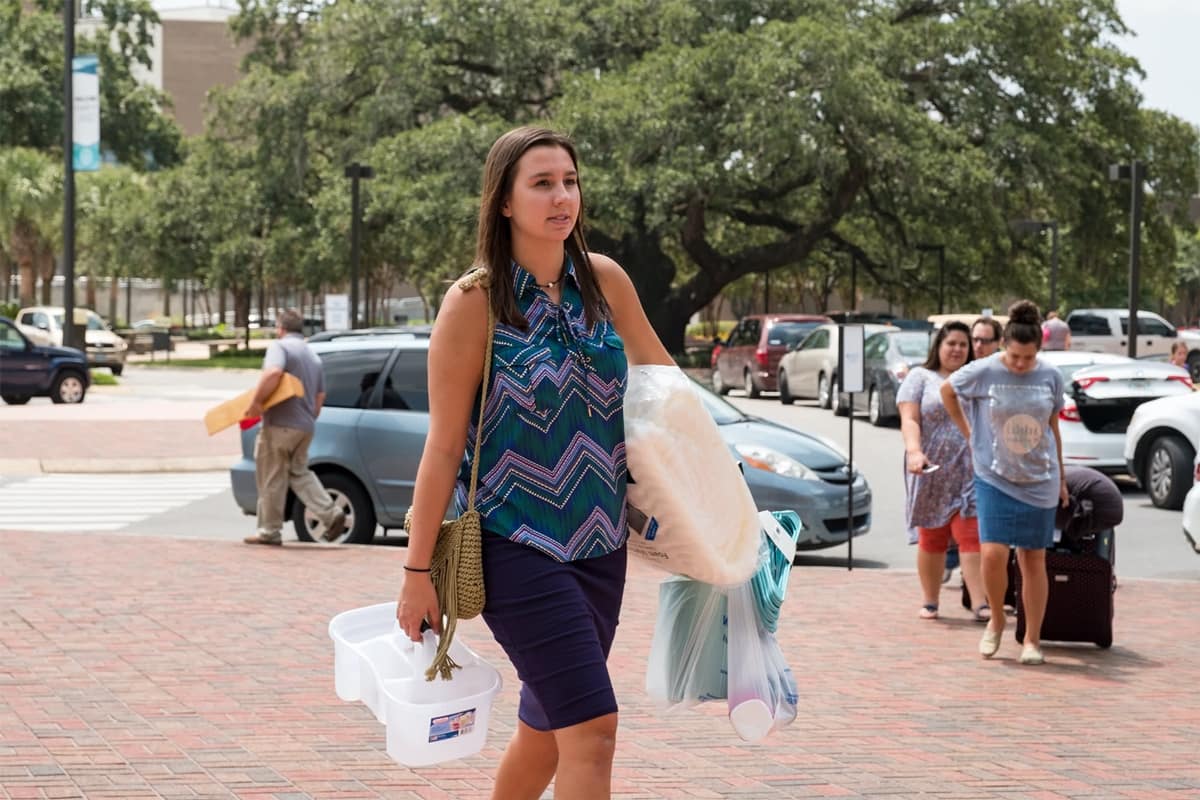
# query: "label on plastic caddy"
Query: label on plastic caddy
{"points": [[778, 536], [449, 726]]}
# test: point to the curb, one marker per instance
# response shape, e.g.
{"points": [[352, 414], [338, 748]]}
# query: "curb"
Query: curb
{"points": [[37, 466]]}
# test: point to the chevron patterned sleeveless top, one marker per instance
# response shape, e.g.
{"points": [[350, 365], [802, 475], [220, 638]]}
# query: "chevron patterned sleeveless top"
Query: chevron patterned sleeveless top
{"points": [[552, 456]]}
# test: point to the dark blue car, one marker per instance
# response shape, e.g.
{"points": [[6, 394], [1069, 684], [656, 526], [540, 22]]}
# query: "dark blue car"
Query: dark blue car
{"points": [[35, 370]]}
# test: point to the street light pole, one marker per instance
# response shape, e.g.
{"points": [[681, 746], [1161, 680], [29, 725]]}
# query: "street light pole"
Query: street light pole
{"points": [[68, 252], [1037, 226], [356, 172], [940, 249], [1135, 173]]}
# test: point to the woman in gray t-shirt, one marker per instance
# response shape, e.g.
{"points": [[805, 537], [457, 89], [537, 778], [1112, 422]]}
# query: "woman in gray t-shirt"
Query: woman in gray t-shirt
{"points": [[1007, 405], [941, 503]]}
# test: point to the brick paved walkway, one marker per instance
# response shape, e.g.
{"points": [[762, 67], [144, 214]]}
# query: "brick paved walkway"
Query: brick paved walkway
{"points": [[134, 668]]}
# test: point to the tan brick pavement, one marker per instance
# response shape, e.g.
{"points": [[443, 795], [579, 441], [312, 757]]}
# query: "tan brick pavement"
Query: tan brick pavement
{"points": [[133, 667]]}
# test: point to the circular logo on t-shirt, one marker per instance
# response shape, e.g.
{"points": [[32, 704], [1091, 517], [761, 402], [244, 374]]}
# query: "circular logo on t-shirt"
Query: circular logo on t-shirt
{"points": [[1021, 433]]}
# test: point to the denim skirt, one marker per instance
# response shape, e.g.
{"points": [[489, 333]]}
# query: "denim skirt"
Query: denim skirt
{"points": [[556, 622], [1003, 519]]}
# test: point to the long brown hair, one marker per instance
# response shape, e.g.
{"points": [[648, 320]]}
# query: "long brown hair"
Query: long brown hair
{"points": [[934, 360], [493, 245]]}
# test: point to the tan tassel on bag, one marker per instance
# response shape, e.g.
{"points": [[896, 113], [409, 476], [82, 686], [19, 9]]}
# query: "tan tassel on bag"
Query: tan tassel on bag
{"points": [[457, 565]]}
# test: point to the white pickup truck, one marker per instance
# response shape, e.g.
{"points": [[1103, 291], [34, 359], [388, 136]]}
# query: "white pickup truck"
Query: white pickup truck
{"points": [[1106, 330]]}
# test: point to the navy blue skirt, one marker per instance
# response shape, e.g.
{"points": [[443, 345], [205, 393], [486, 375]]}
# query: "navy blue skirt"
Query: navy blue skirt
{"points": [[556, 622], [1003, 519]]}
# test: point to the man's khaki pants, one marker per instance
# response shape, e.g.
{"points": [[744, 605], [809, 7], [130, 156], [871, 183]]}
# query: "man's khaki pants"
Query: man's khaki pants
{"points": [[280, 461]]}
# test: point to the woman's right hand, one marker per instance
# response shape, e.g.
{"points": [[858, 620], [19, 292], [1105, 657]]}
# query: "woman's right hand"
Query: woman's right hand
{"points": [[417, 602], [915, 461]]}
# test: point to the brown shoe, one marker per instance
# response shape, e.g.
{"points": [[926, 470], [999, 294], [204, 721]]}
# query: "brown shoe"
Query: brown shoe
{"points": [[336, 528], [258, 538]]}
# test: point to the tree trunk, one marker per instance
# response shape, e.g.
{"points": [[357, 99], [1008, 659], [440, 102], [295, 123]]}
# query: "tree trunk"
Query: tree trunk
{"points": [[45, 262], [221, 302], [114, 286], [167, 301], [6, 267], [90, 294]]}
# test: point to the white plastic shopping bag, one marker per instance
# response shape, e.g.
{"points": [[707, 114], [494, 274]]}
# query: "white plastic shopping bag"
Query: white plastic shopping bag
{"points": [[687, 654], [690, 512]]}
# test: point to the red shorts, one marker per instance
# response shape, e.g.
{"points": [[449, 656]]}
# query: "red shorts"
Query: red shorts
{"points": [[965, 531]]}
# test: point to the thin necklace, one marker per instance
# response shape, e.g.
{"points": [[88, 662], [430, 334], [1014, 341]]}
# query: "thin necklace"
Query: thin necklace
{"points": [[551, 284]]}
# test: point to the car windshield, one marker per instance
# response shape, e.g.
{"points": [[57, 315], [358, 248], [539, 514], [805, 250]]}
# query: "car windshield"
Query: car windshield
{"points": [[912, 345], [94, 323], [722, 412], [788, 333]]}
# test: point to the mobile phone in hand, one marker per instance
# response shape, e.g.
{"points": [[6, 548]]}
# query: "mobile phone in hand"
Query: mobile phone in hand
{"points": [[928, 468]]}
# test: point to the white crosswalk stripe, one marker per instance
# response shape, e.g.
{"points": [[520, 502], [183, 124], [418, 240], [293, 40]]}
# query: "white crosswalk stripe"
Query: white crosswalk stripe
{"points": [[100, 502]]}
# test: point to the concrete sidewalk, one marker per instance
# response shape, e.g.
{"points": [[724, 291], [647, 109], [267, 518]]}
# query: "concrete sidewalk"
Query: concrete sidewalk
{"points": [[143, 668]]}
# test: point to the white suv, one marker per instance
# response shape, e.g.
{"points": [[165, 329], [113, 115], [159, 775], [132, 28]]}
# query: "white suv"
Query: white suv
{"points": [[104, 348], [1160, 447]]}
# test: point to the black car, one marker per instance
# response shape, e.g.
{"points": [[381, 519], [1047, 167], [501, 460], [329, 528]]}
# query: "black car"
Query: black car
{"points": [[34, 370], [887, 359]]}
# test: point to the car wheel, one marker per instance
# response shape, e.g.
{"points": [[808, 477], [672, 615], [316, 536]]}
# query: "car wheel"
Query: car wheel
{"points": [[875, 408], [117, 369], [68, 388], [748, 385], [823, 395], [785, 394], [352, 499], [1168, 468], [718, 384], [16, 399]]}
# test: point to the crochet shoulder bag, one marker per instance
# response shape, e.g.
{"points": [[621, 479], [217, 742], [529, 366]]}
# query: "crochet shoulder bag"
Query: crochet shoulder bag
{"points": [[457, 565]]}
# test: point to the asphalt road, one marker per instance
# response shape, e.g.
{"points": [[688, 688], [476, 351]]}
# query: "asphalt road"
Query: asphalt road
{"points": [[1150, 542]]}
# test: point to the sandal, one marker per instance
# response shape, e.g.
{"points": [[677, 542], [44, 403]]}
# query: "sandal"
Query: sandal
{"points": [[983, 613], [929, 611]]}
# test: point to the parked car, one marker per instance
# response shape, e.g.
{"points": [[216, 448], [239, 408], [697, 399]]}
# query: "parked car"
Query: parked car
{"points": [[966, 318], [1106, 330], [368, 442], [411, 330], [887, 358], [1160, 447], [30, 370], [809, 369], [104, 348], [1102, 393], [749, 356], [1191, 509]]}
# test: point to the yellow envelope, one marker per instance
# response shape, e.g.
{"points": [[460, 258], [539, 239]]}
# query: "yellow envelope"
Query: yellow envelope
{"points": [[230, 412]]}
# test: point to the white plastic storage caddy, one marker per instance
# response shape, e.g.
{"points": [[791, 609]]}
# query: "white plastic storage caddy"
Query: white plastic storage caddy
{"points": [[427, 721]]}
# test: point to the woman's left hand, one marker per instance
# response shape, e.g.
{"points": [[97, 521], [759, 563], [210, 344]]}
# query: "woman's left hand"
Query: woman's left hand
{"points": [[1064, 498]]}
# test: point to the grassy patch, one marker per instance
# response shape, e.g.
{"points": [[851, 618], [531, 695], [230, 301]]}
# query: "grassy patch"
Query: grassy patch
{"points": [[231, 361], [103, 378]]}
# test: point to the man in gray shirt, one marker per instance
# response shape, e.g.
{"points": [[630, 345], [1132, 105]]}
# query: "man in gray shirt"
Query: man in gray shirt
{"points": [[281, 452]]}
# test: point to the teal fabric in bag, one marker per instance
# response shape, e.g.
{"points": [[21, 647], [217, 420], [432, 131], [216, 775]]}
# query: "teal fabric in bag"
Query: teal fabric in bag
{"points": [[770, 580]]}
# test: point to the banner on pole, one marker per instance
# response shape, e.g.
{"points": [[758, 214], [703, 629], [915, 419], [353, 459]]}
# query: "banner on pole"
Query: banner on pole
{"points": [[85, 129], [337, 312]]}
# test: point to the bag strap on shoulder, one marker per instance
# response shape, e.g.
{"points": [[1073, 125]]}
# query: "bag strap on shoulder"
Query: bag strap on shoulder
{"points": [[480, 277]]}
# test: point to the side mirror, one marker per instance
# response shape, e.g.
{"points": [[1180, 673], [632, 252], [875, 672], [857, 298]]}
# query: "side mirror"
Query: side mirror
{"points": [[43, 326]]}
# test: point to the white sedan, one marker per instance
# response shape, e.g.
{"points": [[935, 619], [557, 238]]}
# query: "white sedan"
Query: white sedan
{"points": [[1191, 509], [1102, 392]]}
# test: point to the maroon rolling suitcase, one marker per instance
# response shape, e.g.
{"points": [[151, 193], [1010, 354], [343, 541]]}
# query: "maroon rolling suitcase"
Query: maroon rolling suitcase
{"points": [[1080, 605]]}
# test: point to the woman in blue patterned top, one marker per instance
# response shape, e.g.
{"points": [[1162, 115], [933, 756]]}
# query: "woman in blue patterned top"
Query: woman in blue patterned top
{"points": [[552, 477]]}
